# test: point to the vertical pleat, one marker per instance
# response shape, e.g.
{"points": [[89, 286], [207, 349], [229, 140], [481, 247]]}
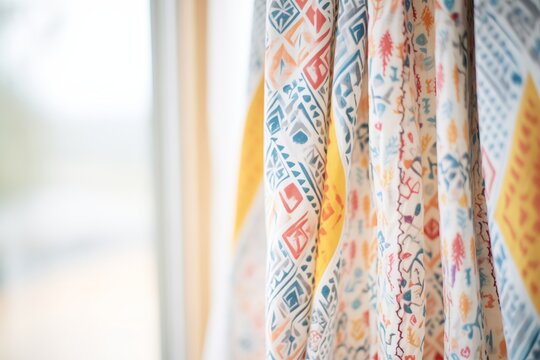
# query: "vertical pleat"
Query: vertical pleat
{"points": [[491, 310], [508, 77], [423, 47], [464, 327], [349, 62], [240, 305], [397, 178], [378, 240], [246, 309], [355, 329], [297, 73]]}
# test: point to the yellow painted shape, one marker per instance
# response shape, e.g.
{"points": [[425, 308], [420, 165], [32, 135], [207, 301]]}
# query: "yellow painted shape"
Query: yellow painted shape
{"points": [[518, 206], [333, 206], [251, 158]]}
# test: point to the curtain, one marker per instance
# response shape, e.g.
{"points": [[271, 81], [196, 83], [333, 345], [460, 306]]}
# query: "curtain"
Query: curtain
{"points": [[397, 143], [244, 302], [378, 232], [508, 75]]}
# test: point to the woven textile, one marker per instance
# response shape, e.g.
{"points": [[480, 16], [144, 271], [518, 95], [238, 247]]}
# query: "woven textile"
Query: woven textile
{"points": [[392, 148]]}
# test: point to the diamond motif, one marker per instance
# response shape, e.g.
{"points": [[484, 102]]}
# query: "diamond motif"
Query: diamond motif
{"points": [[282, 13]]}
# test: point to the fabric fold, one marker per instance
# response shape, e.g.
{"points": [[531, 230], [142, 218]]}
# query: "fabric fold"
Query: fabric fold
{"points": [[348, 74], [391, 149], [297, 102], [378, 230]]}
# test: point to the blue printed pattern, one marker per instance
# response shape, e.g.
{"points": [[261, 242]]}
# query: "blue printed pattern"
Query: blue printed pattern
{"points": [[507, 53]]}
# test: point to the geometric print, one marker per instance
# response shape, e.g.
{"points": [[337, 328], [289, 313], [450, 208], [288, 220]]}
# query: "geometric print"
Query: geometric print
{"points": [[516, 210], [297, 98], [348, 69], [508, 77], [400, 182], [371, 101], [520, 193]]}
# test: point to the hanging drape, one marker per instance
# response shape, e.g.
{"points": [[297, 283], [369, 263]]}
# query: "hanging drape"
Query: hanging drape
{"points": [[508, 77], [245, 300], [378, 240], [401, 182]]}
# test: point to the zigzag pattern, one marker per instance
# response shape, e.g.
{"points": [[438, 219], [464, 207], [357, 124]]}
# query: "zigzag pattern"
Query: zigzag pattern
{"points": [[349, 63], [508, 115], [297, 96], [380, 243], [376, 216]]}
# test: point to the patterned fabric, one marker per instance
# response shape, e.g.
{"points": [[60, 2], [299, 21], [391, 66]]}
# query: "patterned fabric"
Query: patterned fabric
{"points": [[401, 182], [378, 242], [245, 302], [508, 77]]}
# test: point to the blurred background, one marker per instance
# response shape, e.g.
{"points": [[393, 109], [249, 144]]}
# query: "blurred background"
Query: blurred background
{"points": [[120, 122]]}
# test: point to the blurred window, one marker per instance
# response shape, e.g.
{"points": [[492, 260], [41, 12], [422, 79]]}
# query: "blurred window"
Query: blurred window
{"points": [[78, 274]]}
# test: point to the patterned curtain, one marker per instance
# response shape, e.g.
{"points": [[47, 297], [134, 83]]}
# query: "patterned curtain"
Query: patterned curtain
{"points": [[401, 178], [508, 76], [244, 303]]}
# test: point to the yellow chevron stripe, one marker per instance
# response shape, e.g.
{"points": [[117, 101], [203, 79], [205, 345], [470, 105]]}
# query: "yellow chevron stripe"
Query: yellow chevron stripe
{"points": [[517, 208], [333, 206], [251, 158]]}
